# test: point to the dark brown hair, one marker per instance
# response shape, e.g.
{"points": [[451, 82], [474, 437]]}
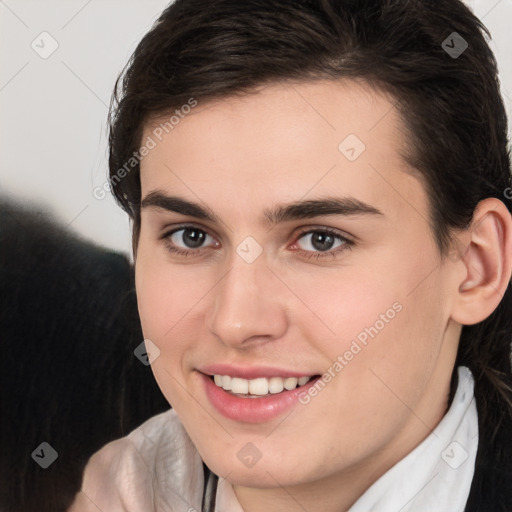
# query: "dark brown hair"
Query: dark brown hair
{"points": [[450, 104]]}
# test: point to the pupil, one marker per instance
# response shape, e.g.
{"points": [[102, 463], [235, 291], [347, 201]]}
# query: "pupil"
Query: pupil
{"points": [[322, 241], [193, 237]]}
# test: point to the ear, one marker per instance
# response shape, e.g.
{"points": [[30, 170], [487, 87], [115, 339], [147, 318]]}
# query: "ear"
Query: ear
{"points": [[487, 261]]}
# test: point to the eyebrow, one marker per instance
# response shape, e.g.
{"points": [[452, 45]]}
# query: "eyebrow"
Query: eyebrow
{"points": [[319, 207], [280, 213]]}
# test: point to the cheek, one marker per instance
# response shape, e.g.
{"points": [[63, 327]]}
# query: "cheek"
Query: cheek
{"points": [[381, 328], [169, 303], [165, 297], [345, 305]]}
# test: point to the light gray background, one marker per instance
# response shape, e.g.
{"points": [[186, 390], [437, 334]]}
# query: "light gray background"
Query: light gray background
{"points": [[53, 110]]}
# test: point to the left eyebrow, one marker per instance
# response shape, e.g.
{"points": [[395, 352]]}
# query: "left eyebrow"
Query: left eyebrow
{"points": [[315, 208]]}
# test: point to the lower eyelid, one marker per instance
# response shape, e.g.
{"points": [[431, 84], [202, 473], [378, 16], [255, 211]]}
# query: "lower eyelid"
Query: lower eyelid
{"points": [[340, 248], [326, 256]]}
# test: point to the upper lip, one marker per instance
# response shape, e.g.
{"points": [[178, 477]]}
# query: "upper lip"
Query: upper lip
{"points": [[251, 372]]}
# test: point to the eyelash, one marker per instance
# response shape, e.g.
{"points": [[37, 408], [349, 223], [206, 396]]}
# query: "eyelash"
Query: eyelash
{"points": [[347, 243]]}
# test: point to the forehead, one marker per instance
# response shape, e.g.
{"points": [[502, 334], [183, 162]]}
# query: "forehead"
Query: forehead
{"points": [[280, 143]]}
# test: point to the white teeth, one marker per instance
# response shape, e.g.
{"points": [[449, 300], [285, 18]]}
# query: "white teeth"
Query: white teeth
{"points": [[226, 382], [275, 385], [240, 386], [290, 383], [260, 386]]}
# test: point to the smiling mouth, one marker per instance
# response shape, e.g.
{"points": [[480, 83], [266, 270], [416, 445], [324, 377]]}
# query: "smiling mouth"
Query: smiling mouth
{"points": [[260, 387]]}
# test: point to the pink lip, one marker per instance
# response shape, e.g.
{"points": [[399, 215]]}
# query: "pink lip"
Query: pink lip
{"points": [[250, 372], [251, 410]]}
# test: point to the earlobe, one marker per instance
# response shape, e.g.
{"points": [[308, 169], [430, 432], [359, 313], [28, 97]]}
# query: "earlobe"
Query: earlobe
{"points": [[487, 263]]}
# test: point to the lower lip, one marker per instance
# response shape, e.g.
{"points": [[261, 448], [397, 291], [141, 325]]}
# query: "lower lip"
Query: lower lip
{"points": [[252, 410]]}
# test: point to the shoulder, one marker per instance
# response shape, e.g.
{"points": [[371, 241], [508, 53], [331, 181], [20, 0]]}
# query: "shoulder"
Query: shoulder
{"points": [[138, 471]]}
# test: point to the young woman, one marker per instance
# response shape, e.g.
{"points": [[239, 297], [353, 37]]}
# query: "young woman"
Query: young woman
{"points": [[320, 197]]}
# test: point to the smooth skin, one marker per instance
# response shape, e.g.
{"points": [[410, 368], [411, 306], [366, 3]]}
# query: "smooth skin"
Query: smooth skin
{"points": [[297, 307]]}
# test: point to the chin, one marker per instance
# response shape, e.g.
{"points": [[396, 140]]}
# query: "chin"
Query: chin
{"points": [[262, 477], [262, 474]]}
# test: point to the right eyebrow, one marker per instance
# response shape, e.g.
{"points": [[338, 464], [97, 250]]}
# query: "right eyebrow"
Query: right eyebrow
{"points": [[161, 201]]}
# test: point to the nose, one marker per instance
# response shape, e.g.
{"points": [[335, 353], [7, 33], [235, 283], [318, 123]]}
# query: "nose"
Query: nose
{"points": [[247, 305]]}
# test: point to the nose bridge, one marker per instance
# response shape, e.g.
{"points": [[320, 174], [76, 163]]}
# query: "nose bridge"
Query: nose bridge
{"points": [[244, 306]]}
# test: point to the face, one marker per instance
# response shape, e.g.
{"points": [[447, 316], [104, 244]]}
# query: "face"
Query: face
{"points": [[283, 237]]}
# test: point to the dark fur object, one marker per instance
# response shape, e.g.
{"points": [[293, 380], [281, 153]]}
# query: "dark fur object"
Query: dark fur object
{"points": [[68, 375]]}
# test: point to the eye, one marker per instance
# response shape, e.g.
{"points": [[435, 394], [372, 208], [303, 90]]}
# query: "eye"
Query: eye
{"points": [[188, 239], [321, 242]]}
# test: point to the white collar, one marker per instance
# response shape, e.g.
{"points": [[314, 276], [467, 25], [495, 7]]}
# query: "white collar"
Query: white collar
{"points": [[437, 475]]}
